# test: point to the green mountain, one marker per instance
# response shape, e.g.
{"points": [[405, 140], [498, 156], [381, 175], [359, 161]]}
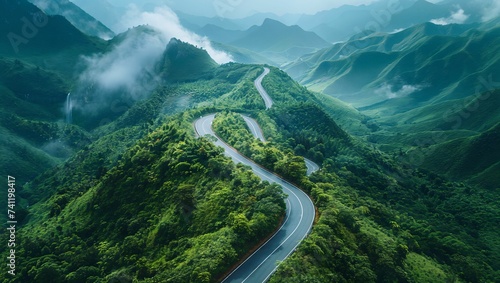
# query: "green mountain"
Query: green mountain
{"points": [[37, 59], [242, 55], [196, 22], [389, 66], [221, 39], [272, 39], [219, 34], [79, 18], [457, 142], [175, 62], [106, 13], [403, 40], [424, 89], [33, 135], [262, 201], [259, 37], [184, 62], [339, 24], [475, 158], [145, 200], [342, 23], [50, 42]]}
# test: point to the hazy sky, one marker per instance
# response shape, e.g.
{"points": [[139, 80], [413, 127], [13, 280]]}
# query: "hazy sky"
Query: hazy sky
{"points": [[241, 8]]}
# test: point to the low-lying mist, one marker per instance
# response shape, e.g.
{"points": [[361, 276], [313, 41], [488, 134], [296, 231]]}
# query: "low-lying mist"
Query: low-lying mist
{"points": [[390, 91], [111, 81]]}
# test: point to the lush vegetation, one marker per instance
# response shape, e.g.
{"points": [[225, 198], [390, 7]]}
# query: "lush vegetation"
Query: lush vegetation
{"points": [[173, 209], [232, 128], [424, 117], [186, 216], [144, 200], [380, 220]]}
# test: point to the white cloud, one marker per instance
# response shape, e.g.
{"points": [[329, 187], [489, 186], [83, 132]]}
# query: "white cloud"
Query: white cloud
{"points": [[137, 55], [397, 30], [491, 10], [166, 21], [387, 90], [130, 67], [458, 17], [124, 65]]}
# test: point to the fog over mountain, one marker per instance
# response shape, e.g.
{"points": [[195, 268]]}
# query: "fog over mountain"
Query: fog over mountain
{"points": [[239, 8]]}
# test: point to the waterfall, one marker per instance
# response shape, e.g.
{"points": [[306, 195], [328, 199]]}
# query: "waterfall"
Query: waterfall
{"points": [[69, 109]]}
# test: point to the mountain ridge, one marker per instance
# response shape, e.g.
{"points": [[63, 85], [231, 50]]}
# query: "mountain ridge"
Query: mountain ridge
{"points": [[272, 39], [430, 53], [74, 14]]}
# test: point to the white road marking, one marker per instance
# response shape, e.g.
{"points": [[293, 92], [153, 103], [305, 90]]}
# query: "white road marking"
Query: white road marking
{"points": [[265, 175]]}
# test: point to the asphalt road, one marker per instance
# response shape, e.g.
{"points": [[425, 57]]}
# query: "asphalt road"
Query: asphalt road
{"points": [[311, 166], [254, 128], [258, 84], [257, 133], [300, 215]]}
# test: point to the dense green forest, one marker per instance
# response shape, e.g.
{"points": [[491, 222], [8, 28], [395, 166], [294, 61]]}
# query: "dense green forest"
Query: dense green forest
{"points": [[232, 128], [70, 231], [115, 210], [380, 220], [173, 209]]}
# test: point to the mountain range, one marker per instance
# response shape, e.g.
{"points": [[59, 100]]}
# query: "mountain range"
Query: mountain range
{"points": [[108, 14], [272, 39], [74, 14], [416, 85], [339, 24], [373, 60]]}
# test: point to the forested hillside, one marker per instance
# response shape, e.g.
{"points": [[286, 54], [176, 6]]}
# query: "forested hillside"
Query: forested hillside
{"points": [[72, 231], [428, 94], [381, 220], [121, 203], [173, 209]]}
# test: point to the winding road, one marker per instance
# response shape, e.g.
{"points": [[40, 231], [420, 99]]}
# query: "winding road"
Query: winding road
{"points": [[300, 211], [258, 84], [254, 128], [258, 134], [311, 166]]}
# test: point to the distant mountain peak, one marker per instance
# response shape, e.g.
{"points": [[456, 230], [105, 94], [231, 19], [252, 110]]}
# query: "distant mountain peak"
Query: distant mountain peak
{"points": [[422, 3], [270, 22], [75, 15], [275, 36], [174, 40]]}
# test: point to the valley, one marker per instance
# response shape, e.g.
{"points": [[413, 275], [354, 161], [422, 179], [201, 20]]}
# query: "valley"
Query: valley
{"points": [[152, 144]]}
